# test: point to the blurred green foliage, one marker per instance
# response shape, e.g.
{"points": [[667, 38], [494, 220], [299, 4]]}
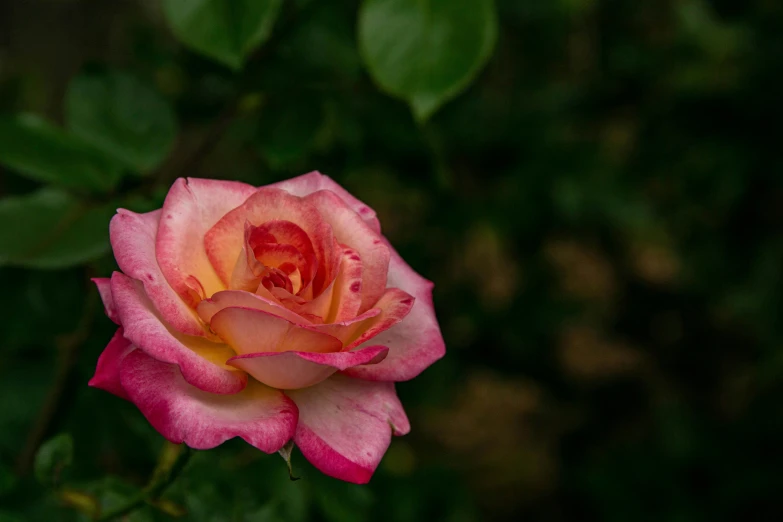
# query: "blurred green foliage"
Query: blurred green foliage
{"points": [[52, 457], [594, 186]]}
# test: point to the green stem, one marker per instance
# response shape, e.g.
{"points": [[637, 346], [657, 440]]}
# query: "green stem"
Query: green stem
{"points": [[171, 461]]}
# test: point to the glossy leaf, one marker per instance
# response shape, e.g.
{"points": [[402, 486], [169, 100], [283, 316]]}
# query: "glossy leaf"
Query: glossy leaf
{"points": [[52, 457], [52, 229], [426, 52], [38, 150], [224, 30], [122, 117]]}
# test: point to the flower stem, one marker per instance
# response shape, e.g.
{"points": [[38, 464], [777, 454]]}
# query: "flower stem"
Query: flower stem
{"points": [[171, 461]]}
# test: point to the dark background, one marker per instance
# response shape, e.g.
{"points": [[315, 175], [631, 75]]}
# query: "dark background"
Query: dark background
{"points": [[601, 213]]}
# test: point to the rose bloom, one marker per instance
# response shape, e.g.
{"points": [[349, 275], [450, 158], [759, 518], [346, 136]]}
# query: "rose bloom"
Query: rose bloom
{"points": [[270, 314]]}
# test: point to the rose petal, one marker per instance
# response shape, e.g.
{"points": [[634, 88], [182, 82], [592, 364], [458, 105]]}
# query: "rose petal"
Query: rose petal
{"points": [[237, 298], [416, 342], [315, 181], [293, 370], [343, 297], [345, 425], [328, 260], [201, 361], [192, 207], [349, 229], [107, 373], [263, 417], [104, 289], [247, 271], [133, 242], [225, 240], [348, 331], [394, 306], [250, 330], [275, 254]]}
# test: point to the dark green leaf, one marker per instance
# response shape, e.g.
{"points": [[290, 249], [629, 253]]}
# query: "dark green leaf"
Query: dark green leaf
{"points": [[426, 52], [41, 151], [224, 30], [52, 229], [122, 117], [52, 457]]}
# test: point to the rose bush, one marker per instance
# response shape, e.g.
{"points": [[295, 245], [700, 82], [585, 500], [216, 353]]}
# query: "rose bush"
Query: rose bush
{"points": [[270, 314]]}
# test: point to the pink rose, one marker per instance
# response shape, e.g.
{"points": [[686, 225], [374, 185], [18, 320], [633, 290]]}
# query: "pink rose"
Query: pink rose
{"points": [[271, 314]]}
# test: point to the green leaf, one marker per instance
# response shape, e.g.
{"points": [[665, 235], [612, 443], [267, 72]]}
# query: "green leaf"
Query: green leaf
{"points": [[43, 152], [122, 117], [426, 51], [52, 457], [51, 229], [224, 30]]}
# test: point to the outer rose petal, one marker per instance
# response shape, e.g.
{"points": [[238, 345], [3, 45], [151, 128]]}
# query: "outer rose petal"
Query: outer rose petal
{"points": [[249, 330], [293, 370], [133, 242], [416, 342], [349, 229], [107, 373], [192, 207], [314, 181], [104, 288], [345, 425], [263, 417], [348, 331], [146, 331], [394, 306]]}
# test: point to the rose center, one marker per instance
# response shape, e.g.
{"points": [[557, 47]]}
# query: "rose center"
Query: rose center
{"points": [[283, 253], [286, 276]]}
